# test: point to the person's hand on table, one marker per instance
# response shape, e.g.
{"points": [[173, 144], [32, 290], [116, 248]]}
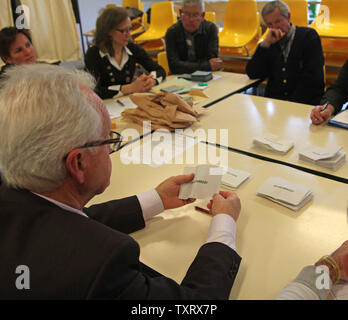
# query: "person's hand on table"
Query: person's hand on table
{"points": [[341, 257], [337, 263], [168, 191], [215, 64], [318, 115], [225, 202]]}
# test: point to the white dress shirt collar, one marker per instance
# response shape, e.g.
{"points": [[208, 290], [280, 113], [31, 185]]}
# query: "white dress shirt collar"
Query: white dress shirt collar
{"points": [[125, 56]]}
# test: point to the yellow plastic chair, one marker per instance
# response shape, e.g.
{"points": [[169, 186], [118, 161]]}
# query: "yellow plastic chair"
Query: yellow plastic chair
{"points": [[241, 24], [142, 28], [111, 5], [163, 61], [162, 17], [298, 12], [332, 19], [210, 16], [133, 4]]}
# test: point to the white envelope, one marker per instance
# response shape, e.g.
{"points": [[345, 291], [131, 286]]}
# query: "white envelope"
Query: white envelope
{"points": [[316, 153], [234, 178], [272, 142], [205, 183], [293, 196]]}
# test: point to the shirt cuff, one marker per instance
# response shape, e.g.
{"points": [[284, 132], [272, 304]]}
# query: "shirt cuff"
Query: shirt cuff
{"points": [[154, 75], [116, 88], [151, 204], [223, 229]]}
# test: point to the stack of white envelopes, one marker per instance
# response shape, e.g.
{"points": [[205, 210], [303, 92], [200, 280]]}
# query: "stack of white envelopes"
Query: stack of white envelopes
{"points": [[234, 178], [292, 196], [272, 143], [329, 158]]}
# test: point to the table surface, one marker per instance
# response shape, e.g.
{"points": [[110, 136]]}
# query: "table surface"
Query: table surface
{"points": [[274, 241], [227, 84], [246, 116]]}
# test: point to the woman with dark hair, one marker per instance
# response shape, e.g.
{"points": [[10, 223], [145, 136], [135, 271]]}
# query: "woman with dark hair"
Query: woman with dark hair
{"points": [[16, 47], [112, 59]]}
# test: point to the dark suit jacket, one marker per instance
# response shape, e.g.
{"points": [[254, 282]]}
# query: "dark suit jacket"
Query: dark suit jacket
{"points": [[107, 75], [301, 78], [73, 257], [206, 47], [337, 93]]}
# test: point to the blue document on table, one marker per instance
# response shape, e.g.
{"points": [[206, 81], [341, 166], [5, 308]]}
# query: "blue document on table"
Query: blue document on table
{"points": [[340, 120]]}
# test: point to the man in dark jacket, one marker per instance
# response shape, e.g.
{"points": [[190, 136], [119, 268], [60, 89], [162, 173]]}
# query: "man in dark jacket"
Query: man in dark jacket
{"points": [[192, 43], [334, 98], [53, 163], [290, 57]]}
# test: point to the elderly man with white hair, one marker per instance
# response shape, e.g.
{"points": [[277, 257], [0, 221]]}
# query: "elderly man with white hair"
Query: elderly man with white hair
{"points": [[291, 57], [192, 43], [55, 142]]}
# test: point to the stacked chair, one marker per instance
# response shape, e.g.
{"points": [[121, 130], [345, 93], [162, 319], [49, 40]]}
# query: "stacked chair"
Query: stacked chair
{"points": [[240, 34], [162, 17], [332, 26]]}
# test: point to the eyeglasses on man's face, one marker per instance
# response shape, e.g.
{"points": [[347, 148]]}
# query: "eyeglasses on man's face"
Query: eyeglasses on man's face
{"points": [[188, 15], [114, 142]]}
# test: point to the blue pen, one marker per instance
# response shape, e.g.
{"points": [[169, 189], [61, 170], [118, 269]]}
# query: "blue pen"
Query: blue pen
{"points": [[325, 107]]}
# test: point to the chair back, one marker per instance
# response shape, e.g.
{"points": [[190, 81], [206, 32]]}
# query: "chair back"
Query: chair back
{"points": [[162, 17], [298, 12], [163, 61], [210, 16], [332, 19], [241, 23], [133, 4]]}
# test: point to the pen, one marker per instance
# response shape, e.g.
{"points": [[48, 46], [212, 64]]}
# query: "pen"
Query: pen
{"points": [[120, 103], [325, 107], [202, 209]]}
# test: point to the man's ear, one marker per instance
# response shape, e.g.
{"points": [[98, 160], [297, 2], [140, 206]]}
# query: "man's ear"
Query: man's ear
{"points": [[75, 165]]}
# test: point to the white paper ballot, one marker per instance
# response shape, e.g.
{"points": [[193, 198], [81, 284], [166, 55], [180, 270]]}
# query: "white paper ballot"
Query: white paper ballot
{"points": [[271, 142], [205, 183], [316, 153], [292, 196], [330, 158], [116, 107], [234, 178]]}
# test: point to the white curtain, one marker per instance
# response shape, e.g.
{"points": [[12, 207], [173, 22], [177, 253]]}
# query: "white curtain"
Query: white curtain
{"points": [[53, 29], [6, 14], [5, 17]]}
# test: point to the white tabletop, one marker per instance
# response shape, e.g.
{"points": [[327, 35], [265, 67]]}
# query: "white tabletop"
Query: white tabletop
{"points": [[244, 117], [273, 241]]}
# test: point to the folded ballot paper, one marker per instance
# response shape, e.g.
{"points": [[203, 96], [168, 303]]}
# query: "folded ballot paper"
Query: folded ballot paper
{"points": [[233, 178], [273, 143], [330, 158], [205, 183], [292, 196]]}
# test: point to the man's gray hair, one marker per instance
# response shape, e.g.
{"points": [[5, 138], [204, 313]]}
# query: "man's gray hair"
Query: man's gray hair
{"points": [[190, 3], [45, 112], [271, 6]]}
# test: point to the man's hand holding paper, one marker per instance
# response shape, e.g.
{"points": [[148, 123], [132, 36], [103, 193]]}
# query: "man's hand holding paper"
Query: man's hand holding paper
{"points": [[168, 191], [225, 202]]}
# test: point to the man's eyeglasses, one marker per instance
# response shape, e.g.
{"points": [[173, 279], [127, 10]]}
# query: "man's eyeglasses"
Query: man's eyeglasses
{"points": [[124, 31], [191, 15], [114, 142]]}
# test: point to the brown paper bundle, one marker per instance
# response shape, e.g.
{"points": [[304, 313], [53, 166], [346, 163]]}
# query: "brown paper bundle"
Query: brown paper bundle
{"points": [[165, 110]]}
